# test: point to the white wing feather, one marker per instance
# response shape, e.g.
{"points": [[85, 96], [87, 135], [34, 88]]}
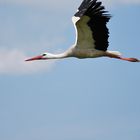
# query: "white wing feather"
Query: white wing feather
{"points": [[84, 38]]}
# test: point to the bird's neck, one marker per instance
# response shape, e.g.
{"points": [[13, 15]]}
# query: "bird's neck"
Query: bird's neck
{"points": [[61, 55]]}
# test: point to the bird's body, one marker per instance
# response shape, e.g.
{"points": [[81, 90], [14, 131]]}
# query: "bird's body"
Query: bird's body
{"points": [[80, 53], [91, 35], [88, 53]]}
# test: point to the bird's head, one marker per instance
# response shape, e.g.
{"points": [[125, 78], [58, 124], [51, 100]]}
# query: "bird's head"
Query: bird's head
{"points": [[43, 56]]}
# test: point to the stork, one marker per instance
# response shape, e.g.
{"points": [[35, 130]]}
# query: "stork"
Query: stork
{"points": [[91, 35]]}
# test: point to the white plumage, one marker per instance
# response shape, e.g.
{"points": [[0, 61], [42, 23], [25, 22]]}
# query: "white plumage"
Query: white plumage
{"points": [[91, 35]]}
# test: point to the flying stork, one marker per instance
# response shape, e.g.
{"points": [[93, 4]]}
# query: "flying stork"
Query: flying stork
{"points": [[91, 35]]}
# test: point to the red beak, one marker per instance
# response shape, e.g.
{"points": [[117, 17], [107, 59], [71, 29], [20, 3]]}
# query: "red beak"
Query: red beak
{"points": [[35, 58]]}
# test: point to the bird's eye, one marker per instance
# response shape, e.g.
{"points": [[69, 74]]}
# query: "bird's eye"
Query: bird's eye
{"points": [[44, 54]]}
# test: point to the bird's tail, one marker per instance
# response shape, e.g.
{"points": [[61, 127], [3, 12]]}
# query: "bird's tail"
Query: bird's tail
{"points": [[116, 53]]}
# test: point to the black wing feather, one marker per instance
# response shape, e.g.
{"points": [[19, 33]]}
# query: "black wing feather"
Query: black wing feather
{"points": [[97, 23]]}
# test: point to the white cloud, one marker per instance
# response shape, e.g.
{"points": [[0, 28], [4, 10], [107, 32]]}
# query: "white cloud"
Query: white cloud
{"points": [[13, 62]]}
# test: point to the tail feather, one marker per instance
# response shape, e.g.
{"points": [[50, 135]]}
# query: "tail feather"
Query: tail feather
{"points": [[114, 53]]}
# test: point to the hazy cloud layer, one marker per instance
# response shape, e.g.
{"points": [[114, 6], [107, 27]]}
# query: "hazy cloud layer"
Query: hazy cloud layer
{"points": [[59, 3], [129, 1], [13, 62], [49, 4], [114, 2]]}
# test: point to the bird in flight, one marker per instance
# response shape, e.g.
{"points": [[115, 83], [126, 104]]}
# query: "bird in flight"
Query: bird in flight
{"points": [[91, 35]]}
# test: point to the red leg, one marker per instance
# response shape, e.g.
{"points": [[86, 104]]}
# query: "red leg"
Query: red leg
{"points": [[122, 58], [129, 59]]}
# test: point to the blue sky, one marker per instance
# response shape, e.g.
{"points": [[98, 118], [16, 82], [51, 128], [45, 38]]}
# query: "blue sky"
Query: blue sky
{"points": [[66, 99]]}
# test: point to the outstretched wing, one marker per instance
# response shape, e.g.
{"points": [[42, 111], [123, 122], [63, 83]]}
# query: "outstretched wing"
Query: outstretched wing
{"points": [[90, 23]]}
